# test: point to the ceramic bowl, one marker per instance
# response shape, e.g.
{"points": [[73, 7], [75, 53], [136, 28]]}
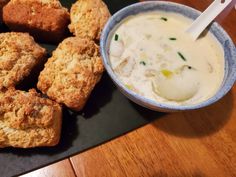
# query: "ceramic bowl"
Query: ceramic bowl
{"points": [[215, 29]]}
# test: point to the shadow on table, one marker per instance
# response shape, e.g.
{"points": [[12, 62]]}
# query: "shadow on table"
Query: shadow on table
{"points": [[101, 96], [197, 123], [146, 114]]}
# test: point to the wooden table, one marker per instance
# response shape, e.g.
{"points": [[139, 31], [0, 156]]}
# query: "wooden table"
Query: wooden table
{"points": [[197, 143]]}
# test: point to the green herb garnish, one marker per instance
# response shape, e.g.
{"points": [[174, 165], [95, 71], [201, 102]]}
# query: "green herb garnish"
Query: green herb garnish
{"points": [[172, 39], [116, 37], [182, 56], [164, 19], [142, 63]]}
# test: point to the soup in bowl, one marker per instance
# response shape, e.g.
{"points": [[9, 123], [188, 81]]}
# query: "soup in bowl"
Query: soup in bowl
{"points": [[155, 63]]}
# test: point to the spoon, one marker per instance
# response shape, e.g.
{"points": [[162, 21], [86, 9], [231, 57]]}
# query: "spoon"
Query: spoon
{"points": [[200, 24]]}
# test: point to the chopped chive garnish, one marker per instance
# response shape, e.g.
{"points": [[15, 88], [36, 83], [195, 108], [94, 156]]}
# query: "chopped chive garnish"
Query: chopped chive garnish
{"points": [[172, 39], [116, 37], [181, 56], [164, 19], [142, 63]]}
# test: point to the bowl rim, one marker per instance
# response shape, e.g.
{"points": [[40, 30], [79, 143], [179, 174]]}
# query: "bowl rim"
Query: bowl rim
{"points": [[148, 103]]}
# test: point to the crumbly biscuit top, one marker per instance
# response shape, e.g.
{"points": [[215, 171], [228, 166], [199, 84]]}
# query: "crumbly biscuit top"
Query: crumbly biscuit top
{"points": [[75, 53], [49, 3], [88, 17], [14, 45], [72, 72], [24, 110], [18, 54], [74, 48]]}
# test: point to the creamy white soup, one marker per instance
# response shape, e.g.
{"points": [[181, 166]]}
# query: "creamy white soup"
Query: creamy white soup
{"points": [[154, 57]]}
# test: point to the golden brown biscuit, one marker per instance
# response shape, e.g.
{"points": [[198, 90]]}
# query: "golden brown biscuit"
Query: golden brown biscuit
{"points": [[28, 120], [72, 72], [19, 54], [46, 20], [88, 17]]}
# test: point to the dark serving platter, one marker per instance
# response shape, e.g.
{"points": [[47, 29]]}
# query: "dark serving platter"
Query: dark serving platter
{"points": [[108, 114]]}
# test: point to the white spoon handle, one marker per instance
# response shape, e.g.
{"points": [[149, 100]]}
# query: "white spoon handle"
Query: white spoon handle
{"points": [[207, 17]]}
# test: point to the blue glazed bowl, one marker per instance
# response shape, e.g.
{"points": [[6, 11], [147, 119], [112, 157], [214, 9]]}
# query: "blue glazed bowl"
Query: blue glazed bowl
{"points": [[216, 30]]}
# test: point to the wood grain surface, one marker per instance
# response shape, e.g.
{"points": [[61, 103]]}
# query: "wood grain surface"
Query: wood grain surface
{"points": [[200, 143], [60, 169], [197, 143]]}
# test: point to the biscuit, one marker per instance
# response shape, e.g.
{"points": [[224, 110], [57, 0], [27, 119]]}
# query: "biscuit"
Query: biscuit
{"points": [[27, 120], [72, 72], [88, 17], [19, 54], [45, 20]]}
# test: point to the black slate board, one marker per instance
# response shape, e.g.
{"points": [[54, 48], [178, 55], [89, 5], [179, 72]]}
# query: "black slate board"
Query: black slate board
{"points": [[108, 114]]}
